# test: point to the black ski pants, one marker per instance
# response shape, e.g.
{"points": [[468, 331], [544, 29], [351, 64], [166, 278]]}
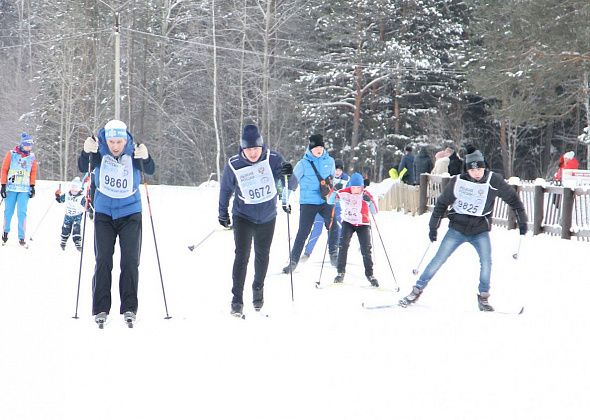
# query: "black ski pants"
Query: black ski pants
{"points": [[106, 231], [244, 232], [363, 233], [307, 213]]}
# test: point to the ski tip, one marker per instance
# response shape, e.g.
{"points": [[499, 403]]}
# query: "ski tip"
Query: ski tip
{"points": [[521, 311], [191, 247]]}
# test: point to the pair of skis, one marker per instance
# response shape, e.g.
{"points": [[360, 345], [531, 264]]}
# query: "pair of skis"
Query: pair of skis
{"points": [[367, 306]]}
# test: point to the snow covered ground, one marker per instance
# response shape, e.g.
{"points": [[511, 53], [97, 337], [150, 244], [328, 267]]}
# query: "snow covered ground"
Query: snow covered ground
{"points": [[320, 357]]}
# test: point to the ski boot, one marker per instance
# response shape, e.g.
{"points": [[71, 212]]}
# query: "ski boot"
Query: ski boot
{"points": [[22, 243], [129, 318], [236, 310], [257, 299], [339, 278], [290, 268], [411, 298], [482, 302], [62, 245], [4, 238], [304, 257], [78, 247], [373, 281], [100, 319]]}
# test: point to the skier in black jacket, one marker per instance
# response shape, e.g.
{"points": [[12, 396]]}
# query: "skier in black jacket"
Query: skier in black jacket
{"points": [[471, 196]]}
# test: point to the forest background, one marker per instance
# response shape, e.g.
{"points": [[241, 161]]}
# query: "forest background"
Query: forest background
{"points": [[373, 76]]}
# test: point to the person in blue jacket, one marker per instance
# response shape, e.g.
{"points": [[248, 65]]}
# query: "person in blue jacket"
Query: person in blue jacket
{"points": [[117, 163], [311, 201], [340, 180], [254, 177]]}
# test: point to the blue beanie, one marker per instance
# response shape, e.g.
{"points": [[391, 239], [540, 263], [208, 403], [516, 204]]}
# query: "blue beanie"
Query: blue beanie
{"points": [[26, 140], [251, 137], [356, 180]]}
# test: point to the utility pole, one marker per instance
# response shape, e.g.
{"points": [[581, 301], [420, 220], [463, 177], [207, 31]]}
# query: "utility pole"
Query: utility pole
{"points": [[117, 67]]}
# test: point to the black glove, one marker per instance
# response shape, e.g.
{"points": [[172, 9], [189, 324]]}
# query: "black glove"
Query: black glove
{"points": [[286, 169], [432, 235], [366, 198], [3, 191], [338, 186], [32, 191], [224, 221], [287, 208], [523, 228]]}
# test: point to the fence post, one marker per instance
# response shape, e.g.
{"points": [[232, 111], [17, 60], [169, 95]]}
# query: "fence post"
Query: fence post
{"points": [[566, 213], [539, 204], [511, 214], [423, 194]]}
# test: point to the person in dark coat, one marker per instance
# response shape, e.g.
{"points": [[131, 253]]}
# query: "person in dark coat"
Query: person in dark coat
{"points": [[118, 164], [422, 164], [471, 198], [455, 162], [253, 177], [406, 166]]}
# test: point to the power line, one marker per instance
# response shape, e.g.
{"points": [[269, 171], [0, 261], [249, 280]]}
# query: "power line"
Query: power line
{"points": [[398, 69], [48, 41]]}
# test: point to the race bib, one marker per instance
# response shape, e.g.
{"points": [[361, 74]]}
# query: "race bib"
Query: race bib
{"points": [[116, 177], [73, 204], [351, 208], [470, 196], [256, 182]]}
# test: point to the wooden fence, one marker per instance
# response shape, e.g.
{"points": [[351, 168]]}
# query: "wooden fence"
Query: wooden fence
{"points": [[552, 210]]}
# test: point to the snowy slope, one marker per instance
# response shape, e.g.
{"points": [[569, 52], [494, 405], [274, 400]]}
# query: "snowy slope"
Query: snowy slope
{"points": [[320, 357]]}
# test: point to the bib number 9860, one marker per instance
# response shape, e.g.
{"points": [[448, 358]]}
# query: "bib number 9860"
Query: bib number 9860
{"points": [[115, 182]]}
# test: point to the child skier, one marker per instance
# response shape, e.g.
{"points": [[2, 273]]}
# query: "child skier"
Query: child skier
{"points": [[75, 205], [356, 203]]}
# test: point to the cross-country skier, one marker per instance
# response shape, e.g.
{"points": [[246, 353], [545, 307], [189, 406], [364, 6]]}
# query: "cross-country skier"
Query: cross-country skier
{"points": [[471, 197], [118, 164], [356, 204], [19, 172], [252, 177], [75, 205], [340, 180], [314, 173]]}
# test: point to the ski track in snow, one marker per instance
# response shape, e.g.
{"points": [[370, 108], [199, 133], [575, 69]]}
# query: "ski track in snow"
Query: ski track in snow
{"points": [[320, 357]]}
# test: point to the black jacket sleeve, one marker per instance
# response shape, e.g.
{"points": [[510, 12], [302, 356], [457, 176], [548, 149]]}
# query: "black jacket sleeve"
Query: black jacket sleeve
{"points": [[507, 193], [444, 200]]}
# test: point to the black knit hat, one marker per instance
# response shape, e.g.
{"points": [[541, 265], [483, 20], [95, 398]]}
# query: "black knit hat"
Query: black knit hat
{"points": [[339, 164], [251, 137], [316, 140]]}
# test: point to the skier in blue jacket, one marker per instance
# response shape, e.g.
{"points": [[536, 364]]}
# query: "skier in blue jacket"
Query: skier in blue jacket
{"points": [[254, 177], [117, 163], [340, 180], [311, 199]]}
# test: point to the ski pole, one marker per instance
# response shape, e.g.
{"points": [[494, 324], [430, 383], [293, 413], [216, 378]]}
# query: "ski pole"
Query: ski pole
{"points": [[515, 256], [317, 283], [285, 200], [192, 247], [155, 241], [416, 270], [385, 251], [42, 218], [83, 237]]}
